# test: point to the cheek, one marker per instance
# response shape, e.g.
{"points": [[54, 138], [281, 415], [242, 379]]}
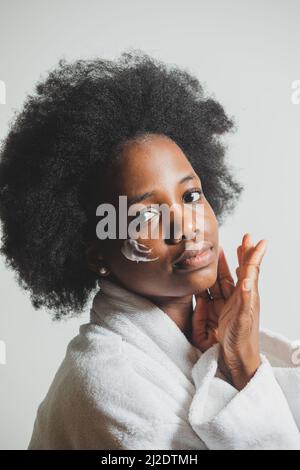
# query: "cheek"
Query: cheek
{"points": [[142, 246], [135, 255], [138, 265], [136, 251]]}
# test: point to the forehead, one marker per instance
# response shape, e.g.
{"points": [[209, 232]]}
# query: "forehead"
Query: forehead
{"points": [[143, 165]]}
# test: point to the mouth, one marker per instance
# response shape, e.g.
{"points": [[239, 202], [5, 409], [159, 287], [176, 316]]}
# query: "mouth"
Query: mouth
{"points": [[191, 260]]}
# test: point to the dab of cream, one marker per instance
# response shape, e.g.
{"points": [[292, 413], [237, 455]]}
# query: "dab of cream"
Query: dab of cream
{"points": [[135, 251]]}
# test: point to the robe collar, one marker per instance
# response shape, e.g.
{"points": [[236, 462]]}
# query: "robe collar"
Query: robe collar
{"points": [[142, 323]]}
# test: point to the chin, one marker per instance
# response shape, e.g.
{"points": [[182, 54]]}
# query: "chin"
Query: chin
{"points": [[194, 282]]}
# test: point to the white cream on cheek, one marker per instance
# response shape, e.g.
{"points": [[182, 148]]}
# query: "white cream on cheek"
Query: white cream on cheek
{"points": [[134, 251]]}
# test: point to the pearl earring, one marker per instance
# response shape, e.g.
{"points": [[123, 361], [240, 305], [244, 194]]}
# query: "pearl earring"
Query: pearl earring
{"points": [[104, 271]]}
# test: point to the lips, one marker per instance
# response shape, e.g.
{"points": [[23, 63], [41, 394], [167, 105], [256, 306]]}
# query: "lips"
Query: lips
{"points": [[195, 259], [205, 245]]}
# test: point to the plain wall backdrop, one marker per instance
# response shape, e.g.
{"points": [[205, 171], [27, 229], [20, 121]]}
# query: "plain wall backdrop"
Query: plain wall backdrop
{"points": [[246, 54]]}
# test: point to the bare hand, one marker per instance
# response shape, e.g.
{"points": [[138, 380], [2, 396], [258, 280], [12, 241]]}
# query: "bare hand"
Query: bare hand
{"points": [[232, 318]]}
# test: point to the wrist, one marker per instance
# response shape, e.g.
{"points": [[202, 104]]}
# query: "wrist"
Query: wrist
{"points": [[240, 370], [242, 375]]}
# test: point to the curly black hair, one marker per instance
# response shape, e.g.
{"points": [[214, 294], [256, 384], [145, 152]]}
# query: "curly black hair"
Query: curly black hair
{"points": [[60, 146]]}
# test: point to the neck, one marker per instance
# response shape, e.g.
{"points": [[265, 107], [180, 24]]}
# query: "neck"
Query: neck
{"points": [[179, 309]]}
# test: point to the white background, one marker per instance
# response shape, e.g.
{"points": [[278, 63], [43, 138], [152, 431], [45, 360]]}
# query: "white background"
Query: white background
{"points": [[246, 53]]}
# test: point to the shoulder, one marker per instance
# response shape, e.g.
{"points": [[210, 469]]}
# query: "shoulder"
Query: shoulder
{"points": [[94, 340], [94, 356], [83, 394], [96, 377], [93, 365], [90, 376], [107, 377]]}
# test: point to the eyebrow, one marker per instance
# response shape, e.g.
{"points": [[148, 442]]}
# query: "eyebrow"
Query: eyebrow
{"points": [[148, 194]]}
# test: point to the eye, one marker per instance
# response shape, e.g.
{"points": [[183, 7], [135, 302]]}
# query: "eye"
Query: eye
{"points": [[146, 215], [193, 192]]}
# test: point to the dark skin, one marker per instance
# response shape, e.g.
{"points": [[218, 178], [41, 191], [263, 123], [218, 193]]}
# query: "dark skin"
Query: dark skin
{"points": [[158, 165]]}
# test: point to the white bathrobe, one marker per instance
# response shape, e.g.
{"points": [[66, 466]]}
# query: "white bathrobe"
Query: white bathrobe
{"points": [[131, 380]]}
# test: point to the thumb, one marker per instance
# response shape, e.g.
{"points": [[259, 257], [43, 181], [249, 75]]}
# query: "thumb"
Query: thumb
{"points": [[251, 267]]}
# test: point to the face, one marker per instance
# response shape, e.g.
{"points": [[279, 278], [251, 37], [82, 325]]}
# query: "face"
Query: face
{"points": [[158, 170]]}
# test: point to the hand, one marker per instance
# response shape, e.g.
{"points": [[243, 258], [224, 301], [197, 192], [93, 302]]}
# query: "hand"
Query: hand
{"points": [[232, 318]]}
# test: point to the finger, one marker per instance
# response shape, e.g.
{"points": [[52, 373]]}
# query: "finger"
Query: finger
{"points": [[226, 281], [246, 246], [239, 255], [204, 328], [200, 313], [243, 251], [240, 261], [251, 267], [216, 289], [203, 316]]}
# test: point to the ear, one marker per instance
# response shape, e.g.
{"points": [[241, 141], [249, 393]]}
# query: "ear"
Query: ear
{"points": [[93, 256]]}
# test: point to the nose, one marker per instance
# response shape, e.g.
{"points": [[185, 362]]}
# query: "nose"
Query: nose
{"points": [[185, 223]]}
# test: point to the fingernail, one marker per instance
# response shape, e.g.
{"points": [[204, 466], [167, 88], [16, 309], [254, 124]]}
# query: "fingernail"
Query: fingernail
{"points": [[247, 284]]}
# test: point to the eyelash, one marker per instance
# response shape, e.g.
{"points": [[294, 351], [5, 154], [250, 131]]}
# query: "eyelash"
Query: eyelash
{"points": [[195, 190], [191, 191], [145, 212]]}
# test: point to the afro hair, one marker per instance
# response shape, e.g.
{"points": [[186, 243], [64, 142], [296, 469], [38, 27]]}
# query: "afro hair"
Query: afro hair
{"points": [[60, 145]]}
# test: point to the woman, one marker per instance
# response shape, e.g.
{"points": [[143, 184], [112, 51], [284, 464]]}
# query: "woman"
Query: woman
{"points": [[173, 357]]}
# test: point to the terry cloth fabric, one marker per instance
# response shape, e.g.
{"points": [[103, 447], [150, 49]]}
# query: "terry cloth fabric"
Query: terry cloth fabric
{"points": [[131, 380]]}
